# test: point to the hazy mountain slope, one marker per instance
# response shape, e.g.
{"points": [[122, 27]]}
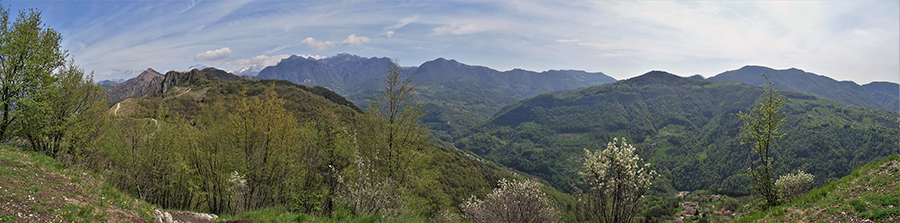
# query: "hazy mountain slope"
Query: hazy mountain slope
{"points": [[880, 95], [457, 95], [304, 71], [688, 128]]}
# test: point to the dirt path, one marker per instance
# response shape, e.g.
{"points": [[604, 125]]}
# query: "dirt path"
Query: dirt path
{"points": [[116, 112]]}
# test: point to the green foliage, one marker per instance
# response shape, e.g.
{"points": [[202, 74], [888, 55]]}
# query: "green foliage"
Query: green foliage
{"points": [[44, 100], [67, 116], [29, 54], [761, 124]]}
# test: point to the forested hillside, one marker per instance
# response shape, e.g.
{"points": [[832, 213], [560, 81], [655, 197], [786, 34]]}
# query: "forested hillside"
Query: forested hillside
{"points": [[314, 140], [686, 127]]}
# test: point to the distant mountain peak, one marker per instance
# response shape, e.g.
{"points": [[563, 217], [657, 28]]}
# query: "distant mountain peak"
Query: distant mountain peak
{"points": [[656, 74], [658, 77]]}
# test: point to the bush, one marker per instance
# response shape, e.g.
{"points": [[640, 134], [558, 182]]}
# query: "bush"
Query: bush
{"points": [[518, 201], [794, 185]]}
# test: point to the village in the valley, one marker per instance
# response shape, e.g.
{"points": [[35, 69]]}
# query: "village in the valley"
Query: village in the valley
{"points": [[703, 204]]}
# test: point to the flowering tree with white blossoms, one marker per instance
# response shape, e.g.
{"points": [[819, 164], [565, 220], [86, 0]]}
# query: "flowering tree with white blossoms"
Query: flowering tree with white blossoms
{"points": [[520, 201], [794, 185], [617, 178]]}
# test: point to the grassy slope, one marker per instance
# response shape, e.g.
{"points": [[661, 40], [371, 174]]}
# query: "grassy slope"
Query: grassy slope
{"points": [[871, 194], [36, 188]]}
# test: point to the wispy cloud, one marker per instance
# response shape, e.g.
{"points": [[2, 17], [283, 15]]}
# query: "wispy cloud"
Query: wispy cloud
{"points": [[841, 39], [403, 22], [568, 40]]}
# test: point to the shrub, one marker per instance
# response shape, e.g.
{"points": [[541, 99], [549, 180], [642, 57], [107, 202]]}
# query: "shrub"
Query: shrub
{"points": [[518, 201], [794, 185]]}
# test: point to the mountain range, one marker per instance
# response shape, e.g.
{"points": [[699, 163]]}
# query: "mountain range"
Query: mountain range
{"points": [[879, 95], [457, 95]]}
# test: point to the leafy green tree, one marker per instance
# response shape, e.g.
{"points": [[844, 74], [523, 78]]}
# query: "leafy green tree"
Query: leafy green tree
{"points": [[617, 179], [400, 129], [761, 124], [266, 140], [29, 53], [66, 116]]}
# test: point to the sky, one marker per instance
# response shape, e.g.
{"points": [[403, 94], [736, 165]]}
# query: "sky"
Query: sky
{"points": [[845, 40]]}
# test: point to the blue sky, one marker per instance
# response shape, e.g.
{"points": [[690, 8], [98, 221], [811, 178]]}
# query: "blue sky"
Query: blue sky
{"points": [[845, 40]]}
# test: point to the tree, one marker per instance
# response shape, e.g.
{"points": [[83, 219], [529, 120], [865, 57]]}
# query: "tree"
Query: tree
{"points": [[267, 140], [29, 53], [617, 179], [761, 124], [516, 201], [66, 116], [401, 129]]}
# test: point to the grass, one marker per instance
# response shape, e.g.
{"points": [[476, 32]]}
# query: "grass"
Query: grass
{"points": [[871, 193], [35, 187]]}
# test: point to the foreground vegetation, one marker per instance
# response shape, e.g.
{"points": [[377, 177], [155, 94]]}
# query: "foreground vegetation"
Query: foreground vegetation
{"points": [[870, 193], [37, 188]]}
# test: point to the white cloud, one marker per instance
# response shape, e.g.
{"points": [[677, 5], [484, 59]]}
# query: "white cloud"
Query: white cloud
{"points": [[219, 54], [568, 40], [261, 60], [403, 22], [355, 40], [389, 34], [316, 45]]}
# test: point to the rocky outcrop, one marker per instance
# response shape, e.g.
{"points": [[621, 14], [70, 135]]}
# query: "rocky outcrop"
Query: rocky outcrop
{"points": [[152, 82], [145, 83], [163, 216]]}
